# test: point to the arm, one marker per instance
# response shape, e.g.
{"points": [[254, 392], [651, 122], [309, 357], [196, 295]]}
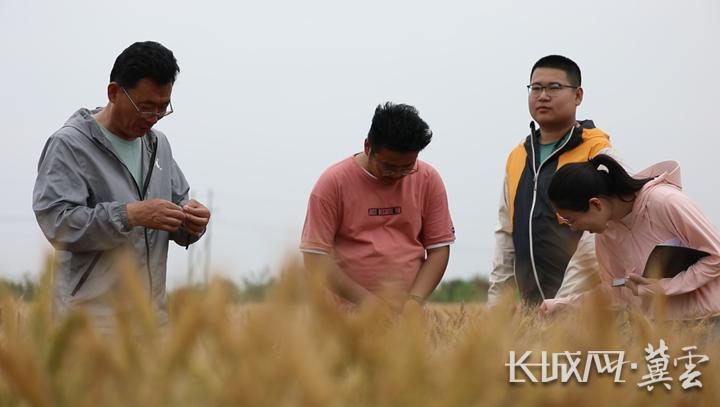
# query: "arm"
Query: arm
{"points": [[427, 279], [430, 272], [612, 295], [322, 221], [691, 226], [198, 215], [616, 297], [339, 282], [60, 203], [437, 234], [582, 272], [502, 274]]}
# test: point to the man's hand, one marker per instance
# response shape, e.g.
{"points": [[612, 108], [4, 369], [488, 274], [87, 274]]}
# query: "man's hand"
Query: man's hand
{"points": [[412, 309], [652, 285], [197, 217], [155, 214], [372, 301]]}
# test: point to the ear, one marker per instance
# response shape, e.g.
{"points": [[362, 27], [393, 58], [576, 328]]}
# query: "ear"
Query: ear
{"points": [[113, 91], [595, 203], [579, 96], [366, 147]]}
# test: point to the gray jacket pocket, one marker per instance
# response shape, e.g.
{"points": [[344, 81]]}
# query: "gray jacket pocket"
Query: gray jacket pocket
{"points": [[86, 274]]}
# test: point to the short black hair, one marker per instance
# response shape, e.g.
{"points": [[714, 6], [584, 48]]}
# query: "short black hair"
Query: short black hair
{"points": [[141, 60], [398, 127], [562, 63]]}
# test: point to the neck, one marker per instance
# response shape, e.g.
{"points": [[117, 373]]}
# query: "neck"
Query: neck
{"points": [[104, 117], [551, 134], [621, 208], [363, 161]]}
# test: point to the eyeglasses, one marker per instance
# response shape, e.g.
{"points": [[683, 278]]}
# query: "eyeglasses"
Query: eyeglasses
{"points": [[147, 115], [569, 221], [388, 170], [552, 89]]}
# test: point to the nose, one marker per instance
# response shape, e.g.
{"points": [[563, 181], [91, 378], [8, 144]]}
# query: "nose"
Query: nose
{"points": [[152, 120], [544, 94]]}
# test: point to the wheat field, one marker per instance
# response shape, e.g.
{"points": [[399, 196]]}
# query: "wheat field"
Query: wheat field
{"points": [[298, 349]]}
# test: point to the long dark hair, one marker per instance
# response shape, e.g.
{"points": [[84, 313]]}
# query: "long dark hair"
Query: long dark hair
{"points": [[574, 184]]}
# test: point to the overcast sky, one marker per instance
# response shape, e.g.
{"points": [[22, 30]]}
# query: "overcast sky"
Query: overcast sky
{"points": [[271, 93]]}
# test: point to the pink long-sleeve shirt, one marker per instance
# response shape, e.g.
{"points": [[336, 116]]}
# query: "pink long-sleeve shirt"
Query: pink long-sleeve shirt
{"points": [[662, 214]]}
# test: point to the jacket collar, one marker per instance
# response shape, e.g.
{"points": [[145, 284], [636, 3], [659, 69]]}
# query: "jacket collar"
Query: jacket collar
{"points": [[85, 123], [574, 141]]}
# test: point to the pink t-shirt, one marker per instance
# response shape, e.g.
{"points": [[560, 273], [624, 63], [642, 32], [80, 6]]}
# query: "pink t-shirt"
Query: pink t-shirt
{"points": [[378, 233]]}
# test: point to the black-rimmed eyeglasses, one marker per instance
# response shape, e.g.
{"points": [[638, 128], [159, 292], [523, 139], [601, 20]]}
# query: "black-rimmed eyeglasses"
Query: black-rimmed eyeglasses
{"points": [[552, 89]]}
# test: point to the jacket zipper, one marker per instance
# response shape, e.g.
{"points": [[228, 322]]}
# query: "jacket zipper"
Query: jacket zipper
{"points": [[145, 231], [536, 176], [141, 194]]}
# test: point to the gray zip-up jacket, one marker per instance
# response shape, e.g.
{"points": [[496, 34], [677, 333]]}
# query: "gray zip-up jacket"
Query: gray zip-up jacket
{"points": [[80, 202]]}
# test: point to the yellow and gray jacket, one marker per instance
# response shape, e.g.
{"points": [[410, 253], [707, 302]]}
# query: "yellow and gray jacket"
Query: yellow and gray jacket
{"points": [[543, 256]]}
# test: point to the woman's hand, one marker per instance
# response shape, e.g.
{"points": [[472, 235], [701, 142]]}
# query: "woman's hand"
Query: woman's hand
{"points": [[551, 307], [648, 286]]}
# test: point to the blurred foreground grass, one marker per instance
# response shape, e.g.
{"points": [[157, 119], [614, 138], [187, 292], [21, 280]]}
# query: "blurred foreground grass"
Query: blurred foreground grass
{"points": [[296, 349]]}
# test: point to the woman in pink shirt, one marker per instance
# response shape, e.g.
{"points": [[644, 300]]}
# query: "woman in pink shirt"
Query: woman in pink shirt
{"points": [[632, 215]]}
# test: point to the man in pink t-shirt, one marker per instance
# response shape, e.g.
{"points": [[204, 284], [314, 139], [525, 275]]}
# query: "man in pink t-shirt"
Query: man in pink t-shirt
{"points": [[378, 222]]}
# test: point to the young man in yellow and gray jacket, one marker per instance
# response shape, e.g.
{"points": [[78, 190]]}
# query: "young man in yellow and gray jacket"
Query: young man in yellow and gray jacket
{"points": [[534, 250]]}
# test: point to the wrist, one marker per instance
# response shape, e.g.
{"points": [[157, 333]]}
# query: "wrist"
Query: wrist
{"points": [[122, 215], [416, 298], [130, 209], [366, 297]]}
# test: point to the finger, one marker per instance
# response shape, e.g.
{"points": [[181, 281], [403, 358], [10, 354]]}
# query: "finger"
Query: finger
{"points": [[198, 215], [193, 204], [194, 227], [197, 220], [175, 214], [635, 278], [168, 228], [194, 230], [165, 204], [172, 222], [168, 206], [197, 210]]}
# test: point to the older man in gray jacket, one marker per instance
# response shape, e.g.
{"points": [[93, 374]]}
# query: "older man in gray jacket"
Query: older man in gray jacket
{"points": [[107, 185]]}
